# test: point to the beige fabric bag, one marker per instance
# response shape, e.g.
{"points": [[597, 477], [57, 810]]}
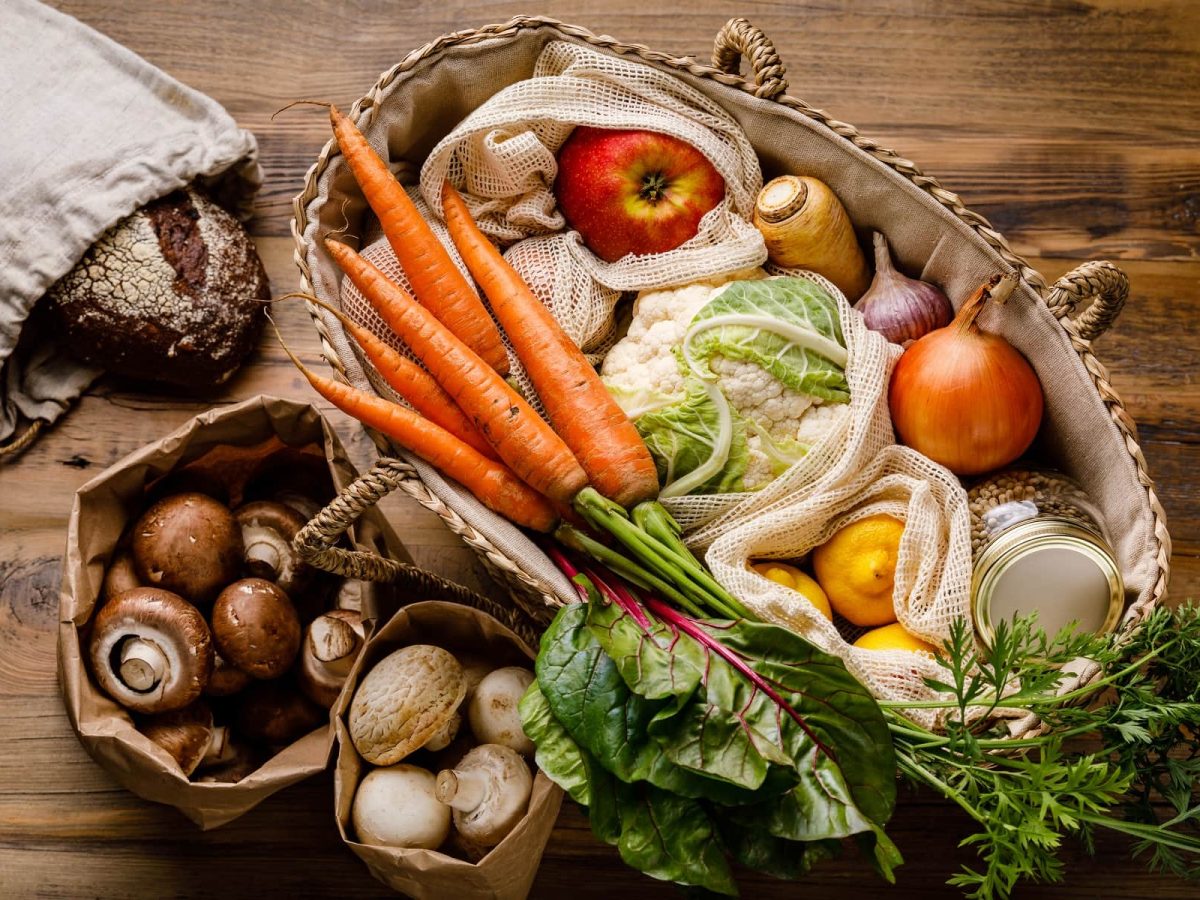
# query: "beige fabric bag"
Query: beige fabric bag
{"points": [[123, 133]]}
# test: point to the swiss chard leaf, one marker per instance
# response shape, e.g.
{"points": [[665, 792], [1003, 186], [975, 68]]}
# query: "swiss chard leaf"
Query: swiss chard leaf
{"points": [[657, 832], [787, 704], [558, 756], [587, 695], [797, 302], [757, 849]]}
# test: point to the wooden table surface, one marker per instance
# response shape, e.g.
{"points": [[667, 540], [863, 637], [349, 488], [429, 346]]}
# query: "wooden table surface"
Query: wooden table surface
{"points": [[1073, 126]]}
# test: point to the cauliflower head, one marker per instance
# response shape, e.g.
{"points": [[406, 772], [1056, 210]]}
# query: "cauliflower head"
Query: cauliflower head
{"points": [[730, 381]]}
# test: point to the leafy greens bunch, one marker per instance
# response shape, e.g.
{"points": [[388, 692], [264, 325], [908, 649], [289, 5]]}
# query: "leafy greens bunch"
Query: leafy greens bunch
{"points": [[1129, 761], [693, 741]]}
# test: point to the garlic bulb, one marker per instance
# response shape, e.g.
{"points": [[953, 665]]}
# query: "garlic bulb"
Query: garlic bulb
{"points": [[902, 309]]}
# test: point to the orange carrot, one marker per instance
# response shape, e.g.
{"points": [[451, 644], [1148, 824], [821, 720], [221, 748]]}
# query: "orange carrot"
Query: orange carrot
{"points": [[521, 437], [435, 279], [580, 408], [410, 381], [493, 483]]}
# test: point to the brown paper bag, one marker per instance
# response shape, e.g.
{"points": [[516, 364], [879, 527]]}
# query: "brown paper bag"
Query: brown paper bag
{"points": [[103, 507], [507, 872]]}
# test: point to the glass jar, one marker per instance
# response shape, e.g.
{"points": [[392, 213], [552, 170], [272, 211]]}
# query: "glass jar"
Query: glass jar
{"points": [[1039, 546]]}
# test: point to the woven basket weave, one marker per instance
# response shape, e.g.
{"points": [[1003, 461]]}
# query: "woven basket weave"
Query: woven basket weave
{"points": [[1101, 283]]}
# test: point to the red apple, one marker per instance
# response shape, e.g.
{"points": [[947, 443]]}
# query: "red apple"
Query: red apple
{"points": [[634, 192]]}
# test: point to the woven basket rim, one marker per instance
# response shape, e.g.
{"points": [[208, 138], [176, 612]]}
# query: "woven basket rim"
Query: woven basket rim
{"points": [[494, 559]]}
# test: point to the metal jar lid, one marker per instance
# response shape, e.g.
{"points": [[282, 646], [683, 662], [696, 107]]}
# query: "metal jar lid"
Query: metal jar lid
{"points": [[1050, 566]]}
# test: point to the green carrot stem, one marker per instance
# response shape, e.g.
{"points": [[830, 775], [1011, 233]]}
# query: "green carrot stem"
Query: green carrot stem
{"points": [[625, 567]]}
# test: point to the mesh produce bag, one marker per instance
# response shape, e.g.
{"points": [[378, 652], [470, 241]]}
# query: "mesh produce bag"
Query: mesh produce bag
{"points": [[501, 158], [843, 450], [933, 571]]}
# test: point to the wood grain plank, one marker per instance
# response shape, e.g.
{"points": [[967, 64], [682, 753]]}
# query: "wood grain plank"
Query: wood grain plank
{"points": [[1074, 126]]}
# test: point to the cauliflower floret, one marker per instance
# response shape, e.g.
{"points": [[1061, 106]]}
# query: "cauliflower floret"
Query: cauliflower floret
{"points": [[643, 360], [760, 398]]}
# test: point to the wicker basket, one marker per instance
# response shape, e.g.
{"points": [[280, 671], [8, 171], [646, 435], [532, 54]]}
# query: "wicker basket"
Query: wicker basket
{"points": [[1062, 330]]}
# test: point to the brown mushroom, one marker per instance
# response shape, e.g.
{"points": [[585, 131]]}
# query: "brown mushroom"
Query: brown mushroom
{"points": [[186, 734], [329, 651], [151, 650], [256, 628], [488, 791], [268, 530], [189, 544], [240, 761], [120, 577], [493, 711], [406, 699], [226, 679], [293, 477], [275, 713]]}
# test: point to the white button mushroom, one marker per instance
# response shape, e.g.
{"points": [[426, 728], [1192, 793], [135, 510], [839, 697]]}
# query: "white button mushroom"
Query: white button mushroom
{"points": [[488, 791], [493, 710], [404, 701], [151, 650], [329, 651], [397, 807]]}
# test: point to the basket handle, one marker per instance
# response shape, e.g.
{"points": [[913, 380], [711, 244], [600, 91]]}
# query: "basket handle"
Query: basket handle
{"points": [[316, 545], [1099, 279], [739, 38]]}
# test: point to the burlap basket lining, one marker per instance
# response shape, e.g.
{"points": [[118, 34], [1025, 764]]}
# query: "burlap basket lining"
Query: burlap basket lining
{"points": [[1089, 432]]}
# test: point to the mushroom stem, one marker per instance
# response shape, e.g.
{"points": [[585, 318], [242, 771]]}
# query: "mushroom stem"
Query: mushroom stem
{"points": [[462, 790], [220, 749], [262, 556], [334, 642], [143, 664]]}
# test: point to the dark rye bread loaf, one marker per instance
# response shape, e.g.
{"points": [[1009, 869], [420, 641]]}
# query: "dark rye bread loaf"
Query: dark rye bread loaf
{"points": [[173, 293]]}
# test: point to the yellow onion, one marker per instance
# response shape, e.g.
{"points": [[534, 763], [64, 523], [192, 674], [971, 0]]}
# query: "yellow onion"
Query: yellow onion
{"points": [[965, 398]]}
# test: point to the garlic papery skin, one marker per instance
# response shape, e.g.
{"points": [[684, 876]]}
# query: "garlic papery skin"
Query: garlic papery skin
{"points": [[900, 308]]}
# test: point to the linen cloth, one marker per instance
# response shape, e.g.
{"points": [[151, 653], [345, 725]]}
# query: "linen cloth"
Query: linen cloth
{"points": [[91, 132]]}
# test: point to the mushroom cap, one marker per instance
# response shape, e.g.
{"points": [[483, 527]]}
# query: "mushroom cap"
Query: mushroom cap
{"points": [[188, 543], [500, 785], [476, 668], [275, 713], [226, 678], [244, 761], [184, 733], [121, 576], [268, 529], [330, 647], [256, 628], [396, 807], [173, 626], [493, 712], [403, 701]]}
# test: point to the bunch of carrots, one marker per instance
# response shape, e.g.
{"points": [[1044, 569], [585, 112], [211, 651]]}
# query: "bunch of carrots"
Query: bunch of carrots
{"points": [[466, 420]]}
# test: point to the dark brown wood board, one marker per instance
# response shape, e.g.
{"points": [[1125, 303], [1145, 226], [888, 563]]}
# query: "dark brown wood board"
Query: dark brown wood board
{"points": [[1073, 126]]}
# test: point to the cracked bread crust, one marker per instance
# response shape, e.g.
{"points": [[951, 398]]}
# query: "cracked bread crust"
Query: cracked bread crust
{"points": [[174, 293]]}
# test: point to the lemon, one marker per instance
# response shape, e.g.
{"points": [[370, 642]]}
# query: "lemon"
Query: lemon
{"points": [[893, 637], [801, 583], [857, 568]]}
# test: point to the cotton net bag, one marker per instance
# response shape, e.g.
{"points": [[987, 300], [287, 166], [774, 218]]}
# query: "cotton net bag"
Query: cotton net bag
{"points": [[847, 447], [933, 570], [501, 158]]}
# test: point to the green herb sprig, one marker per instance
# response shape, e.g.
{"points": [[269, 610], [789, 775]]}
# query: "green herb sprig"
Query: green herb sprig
{"points": [[1112, 755]]}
